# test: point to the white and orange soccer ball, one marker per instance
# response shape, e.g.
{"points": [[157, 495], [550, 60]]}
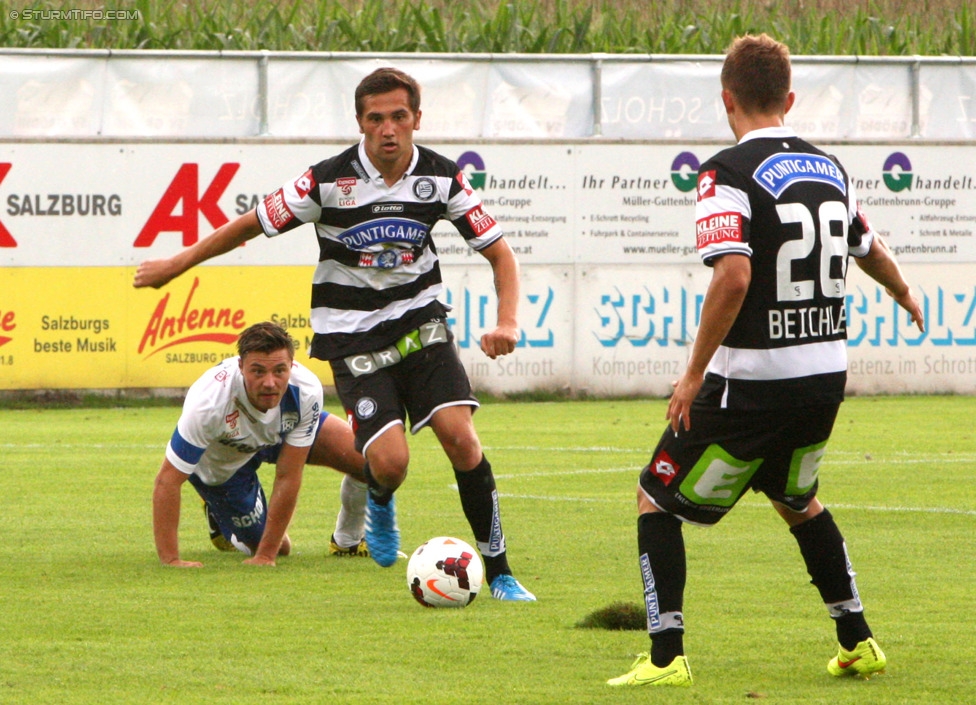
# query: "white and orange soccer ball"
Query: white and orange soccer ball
{"points": [[445, 572]]}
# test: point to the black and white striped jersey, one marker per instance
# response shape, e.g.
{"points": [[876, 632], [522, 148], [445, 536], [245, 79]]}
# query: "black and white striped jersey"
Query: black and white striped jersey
{"points": [[378, 275], [792, 210]]}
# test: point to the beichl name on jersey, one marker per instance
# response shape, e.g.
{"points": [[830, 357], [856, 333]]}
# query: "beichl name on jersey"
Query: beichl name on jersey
{"points": [[812, 322], [781, 170]]}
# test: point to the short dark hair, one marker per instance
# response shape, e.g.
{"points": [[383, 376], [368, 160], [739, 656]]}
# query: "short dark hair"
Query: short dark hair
{"points": [[384, 80], [265, 337], [757, 73]]}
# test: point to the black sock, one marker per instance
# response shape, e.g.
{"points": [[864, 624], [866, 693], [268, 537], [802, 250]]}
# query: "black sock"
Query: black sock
{"points": [[851, 629], [661, 548], [822, 547], [380, 494], [665, 646], [479, 500]]}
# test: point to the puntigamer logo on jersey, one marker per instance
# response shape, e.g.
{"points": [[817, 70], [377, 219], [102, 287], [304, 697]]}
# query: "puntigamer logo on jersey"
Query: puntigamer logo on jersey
{"points": [[684, 172], [782, 170], [385, 231], [185, 322]]}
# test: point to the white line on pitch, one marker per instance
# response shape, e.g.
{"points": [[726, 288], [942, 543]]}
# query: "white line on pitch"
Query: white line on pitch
{"points": [[757, 505], [835, 458], [57, 446]]}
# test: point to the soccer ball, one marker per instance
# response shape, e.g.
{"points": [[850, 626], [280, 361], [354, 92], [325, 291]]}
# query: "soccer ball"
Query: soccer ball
{"points": [[445, 572]]}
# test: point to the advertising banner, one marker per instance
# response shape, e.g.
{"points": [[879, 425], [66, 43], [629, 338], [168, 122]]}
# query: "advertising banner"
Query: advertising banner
{"points": [[87, 328], [611, 284]]}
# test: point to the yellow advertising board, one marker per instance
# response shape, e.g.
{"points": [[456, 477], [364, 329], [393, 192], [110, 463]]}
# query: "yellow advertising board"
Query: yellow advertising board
{"points": [[88, 328]]}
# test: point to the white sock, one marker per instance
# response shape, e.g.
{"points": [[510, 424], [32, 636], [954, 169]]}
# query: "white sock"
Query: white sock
{"points": [[351, 522]]}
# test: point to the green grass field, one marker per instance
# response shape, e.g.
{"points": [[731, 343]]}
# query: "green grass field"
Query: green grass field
{"points": [[88, 616]]}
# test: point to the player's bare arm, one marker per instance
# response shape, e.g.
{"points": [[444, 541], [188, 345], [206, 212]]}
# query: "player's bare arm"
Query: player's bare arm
{"points": [[281, 506], [880, 265], [505, 267], [730, 281], [166, 516], [159, 272]]}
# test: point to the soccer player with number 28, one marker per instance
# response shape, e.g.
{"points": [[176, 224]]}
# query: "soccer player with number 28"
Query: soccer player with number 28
{"points": [[777, 219]]}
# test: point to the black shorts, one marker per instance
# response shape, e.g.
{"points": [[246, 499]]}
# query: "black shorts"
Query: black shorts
{"points": [[418, 385], [699, 475]]}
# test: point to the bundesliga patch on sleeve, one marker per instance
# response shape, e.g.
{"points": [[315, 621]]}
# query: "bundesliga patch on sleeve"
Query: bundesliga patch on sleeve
{"points": [[720, 227], [706, 184], [479, 221], [279, 214]]}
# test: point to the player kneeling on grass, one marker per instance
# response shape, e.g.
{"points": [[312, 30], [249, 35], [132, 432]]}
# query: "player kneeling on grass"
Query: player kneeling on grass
{"points": [[777, 220], [259, 407]]}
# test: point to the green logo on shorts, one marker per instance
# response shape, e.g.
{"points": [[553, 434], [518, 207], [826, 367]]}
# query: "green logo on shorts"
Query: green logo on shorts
{"points": [[804, 468], [718, 479]]}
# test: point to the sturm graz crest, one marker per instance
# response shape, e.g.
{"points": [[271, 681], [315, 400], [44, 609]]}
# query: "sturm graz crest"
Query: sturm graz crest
{"points": [[423, 188], [366, 408]]}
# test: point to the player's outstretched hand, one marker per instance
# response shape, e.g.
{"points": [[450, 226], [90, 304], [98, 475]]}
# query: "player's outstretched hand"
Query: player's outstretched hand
{"points": [[500, 341], [154, 273], [908, 302]]}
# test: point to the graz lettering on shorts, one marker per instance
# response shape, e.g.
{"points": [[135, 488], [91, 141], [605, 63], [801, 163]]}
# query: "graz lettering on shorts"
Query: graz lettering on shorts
{"points": [[425, 336]]}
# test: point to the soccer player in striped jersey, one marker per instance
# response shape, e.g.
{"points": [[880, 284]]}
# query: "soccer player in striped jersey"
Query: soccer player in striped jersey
{"points": [[777, 219], [376, 314]]}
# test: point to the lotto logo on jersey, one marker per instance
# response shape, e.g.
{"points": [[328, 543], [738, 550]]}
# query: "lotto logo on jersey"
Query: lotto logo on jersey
{"points": [[664, 468], [278, 212], [706, 184], [304, 184], [721, 227], [479, 221]]}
